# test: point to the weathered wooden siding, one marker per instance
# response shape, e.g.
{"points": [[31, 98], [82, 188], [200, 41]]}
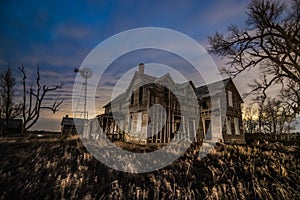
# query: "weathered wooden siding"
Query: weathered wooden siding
{"points": [[137, 123]]}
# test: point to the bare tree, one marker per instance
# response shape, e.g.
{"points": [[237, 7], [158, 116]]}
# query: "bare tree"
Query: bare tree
{"points": [[250, 122], [260, 100], [33, 100], [270, 42], [277, 118], [8, 108], [271, 115]]}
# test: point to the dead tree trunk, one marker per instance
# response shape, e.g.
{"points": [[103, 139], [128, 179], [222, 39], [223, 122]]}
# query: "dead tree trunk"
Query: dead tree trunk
{"points": [[33, 100]]}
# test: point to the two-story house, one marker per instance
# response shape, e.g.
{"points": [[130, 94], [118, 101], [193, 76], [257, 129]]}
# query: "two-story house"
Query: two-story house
{"points": [[155, 110]]}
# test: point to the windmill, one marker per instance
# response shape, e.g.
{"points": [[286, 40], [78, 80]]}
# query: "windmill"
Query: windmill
{"points": [[85, 73]]}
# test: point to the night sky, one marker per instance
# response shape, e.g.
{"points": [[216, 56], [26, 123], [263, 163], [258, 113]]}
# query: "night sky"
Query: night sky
{"points": [[57, 36]]}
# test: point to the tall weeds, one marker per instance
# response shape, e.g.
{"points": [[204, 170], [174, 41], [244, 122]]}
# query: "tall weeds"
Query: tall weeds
{"points": [[63, 169]]}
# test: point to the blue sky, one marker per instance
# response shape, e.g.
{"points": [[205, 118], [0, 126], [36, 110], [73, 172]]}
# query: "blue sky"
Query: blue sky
{"points": [[57, 36]]}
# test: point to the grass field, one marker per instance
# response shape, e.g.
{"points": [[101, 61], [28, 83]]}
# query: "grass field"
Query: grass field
{"points": [[63, 169]]}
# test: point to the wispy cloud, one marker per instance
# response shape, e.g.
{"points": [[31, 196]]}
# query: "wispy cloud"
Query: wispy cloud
{"points": [[72, 31], [224, 12], [59, 39]]}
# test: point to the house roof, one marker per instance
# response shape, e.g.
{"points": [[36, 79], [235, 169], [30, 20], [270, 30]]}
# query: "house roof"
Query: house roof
{"points": [[69, 121], [203, 91], [117, 99], [150, 80]]}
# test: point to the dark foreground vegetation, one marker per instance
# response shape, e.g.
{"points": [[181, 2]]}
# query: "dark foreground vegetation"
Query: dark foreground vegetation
{"points": [[62, 168]]}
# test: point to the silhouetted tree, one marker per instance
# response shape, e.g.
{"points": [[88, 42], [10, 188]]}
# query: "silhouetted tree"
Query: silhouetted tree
{"points": [[33, 100], [277, 118], [271, 42], [249, 119], [272, 116], [8, 108]]}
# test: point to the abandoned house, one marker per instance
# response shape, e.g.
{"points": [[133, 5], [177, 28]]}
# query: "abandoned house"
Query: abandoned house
{"points": [[231, 129], [155, 110]]}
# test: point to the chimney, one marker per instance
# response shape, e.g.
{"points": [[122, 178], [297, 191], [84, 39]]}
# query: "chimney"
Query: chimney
{"points": [[141, 68], [67, 116]]}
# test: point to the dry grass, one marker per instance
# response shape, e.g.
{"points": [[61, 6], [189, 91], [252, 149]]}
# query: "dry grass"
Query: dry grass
{"points": [[63, 169]]}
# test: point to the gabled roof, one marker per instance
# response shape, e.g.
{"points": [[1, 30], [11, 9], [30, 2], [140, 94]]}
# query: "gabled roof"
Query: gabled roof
{"points": [[139, 76], [185, 84], [120, 97], [167, 77], [203, 91], [124, 95], [150, 80]]}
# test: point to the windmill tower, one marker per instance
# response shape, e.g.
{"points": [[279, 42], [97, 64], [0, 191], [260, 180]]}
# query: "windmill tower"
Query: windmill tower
{"points": [[85, 73]]}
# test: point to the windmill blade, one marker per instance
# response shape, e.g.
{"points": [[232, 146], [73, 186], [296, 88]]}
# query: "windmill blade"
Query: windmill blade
{"points": [[86, 73]]}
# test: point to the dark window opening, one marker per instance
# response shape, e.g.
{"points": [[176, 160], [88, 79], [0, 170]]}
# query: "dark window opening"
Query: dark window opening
{"points": [[204, 105], [132, 99], [166, 94], [141, 94]]}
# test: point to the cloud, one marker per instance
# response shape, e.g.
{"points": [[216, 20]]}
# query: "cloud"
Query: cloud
{"points": [[72, 31], [59, 39], [224, 12]]}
